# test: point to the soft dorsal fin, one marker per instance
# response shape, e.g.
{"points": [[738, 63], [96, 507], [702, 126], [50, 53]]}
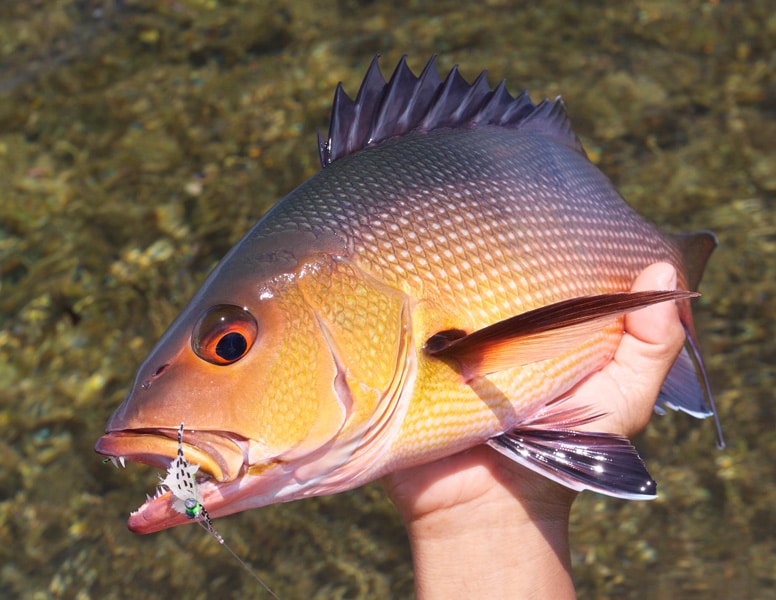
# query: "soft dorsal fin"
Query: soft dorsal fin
{"points": [[541, 333], [407, 103]]}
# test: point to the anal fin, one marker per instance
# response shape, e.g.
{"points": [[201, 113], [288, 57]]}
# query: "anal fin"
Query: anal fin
{"points": [[550, 444], [580, 460], [682, 391]]}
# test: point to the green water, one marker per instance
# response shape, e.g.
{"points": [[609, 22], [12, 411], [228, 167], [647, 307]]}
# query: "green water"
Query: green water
{"points": [[140, 139]]}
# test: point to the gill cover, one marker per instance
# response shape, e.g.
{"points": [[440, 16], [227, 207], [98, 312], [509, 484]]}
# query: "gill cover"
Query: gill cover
{"points": [[366, 325]]}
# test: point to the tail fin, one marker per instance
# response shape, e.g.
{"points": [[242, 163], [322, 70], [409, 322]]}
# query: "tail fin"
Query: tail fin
{"points": [[695, 248], [686, 387]]}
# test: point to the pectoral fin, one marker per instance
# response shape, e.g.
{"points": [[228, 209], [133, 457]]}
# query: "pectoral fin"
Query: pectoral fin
{"points": [[539, 334]]}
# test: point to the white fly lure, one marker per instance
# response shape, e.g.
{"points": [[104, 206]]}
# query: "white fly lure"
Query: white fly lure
{"points": [[181, 481]]}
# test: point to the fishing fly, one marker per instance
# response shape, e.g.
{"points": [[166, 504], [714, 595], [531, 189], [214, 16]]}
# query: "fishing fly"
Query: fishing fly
{"points": [[181, 481]]}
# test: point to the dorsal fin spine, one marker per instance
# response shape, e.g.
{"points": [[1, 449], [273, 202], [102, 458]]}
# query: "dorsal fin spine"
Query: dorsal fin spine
{"points": [[408, 103]]}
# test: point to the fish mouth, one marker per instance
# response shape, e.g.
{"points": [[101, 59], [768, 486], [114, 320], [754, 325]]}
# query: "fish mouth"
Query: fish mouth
{"points": [[219, 454], [221, 458]]}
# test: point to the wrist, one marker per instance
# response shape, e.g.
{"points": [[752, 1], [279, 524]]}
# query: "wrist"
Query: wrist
{"points": [[511, 537]]}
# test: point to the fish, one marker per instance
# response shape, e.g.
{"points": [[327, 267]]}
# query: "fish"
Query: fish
{"points": [[454, 269]]}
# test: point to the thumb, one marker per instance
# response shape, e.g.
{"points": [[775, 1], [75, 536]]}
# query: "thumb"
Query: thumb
{"points": [[657, 324], [653, 339]]}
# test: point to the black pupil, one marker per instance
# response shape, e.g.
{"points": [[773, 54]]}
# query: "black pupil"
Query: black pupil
{"points": [[232, 346]]}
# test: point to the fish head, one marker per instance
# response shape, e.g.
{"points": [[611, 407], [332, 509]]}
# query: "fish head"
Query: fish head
{"points": [[277, 382]]}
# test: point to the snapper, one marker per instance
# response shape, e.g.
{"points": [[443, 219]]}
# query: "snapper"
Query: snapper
{"points": [[453, 271]]}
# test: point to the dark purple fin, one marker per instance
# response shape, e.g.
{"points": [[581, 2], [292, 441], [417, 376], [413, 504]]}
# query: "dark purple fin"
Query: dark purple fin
{"points": [[550, 119], [695, 248], [687, 387], [682, 391], [407, 103], [580, 460], [351, 120], [539, 334]]}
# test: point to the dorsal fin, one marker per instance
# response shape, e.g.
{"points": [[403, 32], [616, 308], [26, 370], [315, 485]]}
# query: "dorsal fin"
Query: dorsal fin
{"points": [[407, 103]]}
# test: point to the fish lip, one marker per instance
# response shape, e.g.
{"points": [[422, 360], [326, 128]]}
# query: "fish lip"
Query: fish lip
{"points": [[219, 455], [158, 513], [155, 514]]}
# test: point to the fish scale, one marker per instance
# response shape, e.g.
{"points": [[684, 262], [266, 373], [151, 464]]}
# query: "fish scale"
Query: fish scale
{"points": [[436, 416], [454, 270], [599, 234]]}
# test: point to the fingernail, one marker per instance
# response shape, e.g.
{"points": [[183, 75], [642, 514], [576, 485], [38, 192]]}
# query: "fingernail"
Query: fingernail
{"points": [[670, 281], [666, 280]]}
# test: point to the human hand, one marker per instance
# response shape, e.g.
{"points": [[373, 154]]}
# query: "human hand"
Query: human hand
{"points": [[480, 524]]}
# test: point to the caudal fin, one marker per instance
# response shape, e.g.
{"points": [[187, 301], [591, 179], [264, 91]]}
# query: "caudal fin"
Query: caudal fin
{"points": [[686, 387]]}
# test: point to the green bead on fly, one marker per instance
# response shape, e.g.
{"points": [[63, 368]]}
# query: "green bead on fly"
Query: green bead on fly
{"points": [[193, 508]]}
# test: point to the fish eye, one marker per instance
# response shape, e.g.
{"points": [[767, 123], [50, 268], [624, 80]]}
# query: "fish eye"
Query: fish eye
{"points": [[224, 334]]}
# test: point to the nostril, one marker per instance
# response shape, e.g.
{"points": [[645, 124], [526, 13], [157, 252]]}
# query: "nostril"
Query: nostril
{"points": [[155, 375]]}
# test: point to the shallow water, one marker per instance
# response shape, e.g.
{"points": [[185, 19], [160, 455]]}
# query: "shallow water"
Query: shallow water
{"points": [[140, 139]]}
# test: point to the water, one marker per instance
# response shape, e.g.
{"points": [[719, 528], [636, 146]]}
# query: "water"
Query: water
{"points": [[139, 139]]}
